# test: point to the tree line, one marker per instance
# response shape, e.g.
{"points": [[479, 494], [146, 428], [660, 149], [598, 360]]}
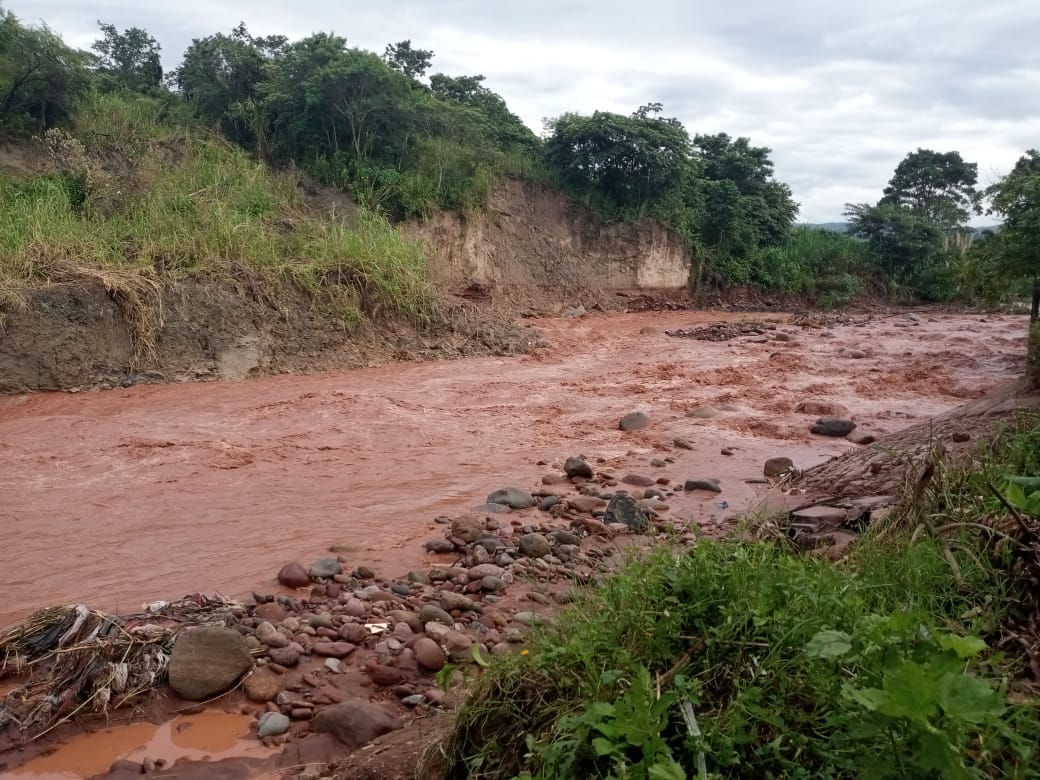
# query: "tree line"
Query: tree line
{"points": [[407, 142]]}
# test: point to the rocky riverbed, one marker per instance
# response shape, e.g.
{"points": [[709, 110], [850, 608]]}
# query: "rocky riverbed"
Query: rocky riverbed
{"points": [[396, 555]]}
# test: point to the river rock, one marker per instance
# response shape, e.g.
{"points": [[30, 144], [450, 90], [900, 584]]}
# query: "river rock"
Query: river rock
{"points": [[272, 724], [271, 636], [493, 584], [431, 613], [534, 546], [586, 504], [854, 354], [439, 546], [563, 536], [272, 611], [450, 600], [832, 426], [482, 570], [702, 484], [634, 421], [355, 723], [207, 661], [578, 467], [861, 437], [384, 676], [429, 654], [460, 645], [681, 443], [325, 568], [333, 649], [261, 686], [774, 467], [623, 509], [467, 527], [284, 656], [293, 575], [638, 480], [512, 497]]}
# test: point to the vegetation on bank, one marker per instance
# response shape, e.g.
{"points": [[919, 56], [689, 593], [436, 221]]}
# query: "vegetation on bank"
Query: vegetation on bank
{"points": [[403, 141], [735, 659]]}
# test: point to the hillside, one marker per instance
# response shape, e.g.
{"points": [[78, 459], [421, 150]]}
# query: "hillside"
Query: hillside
{"points": [[195, 261]]}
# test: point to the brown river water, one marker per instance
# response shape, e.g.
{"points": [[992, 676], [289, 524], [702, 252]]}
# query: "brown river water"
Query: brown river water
{"points": [[120, 497]]}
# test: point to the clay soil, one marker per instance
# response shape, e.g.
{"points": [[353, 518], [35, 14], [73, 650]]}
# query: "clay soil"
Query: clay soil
{"points": [[119, 497]]}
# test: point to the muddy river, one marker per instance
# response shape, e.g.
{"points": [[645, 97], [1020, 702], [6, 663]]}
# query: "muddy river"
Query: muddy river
{"points": [[120, 497]]}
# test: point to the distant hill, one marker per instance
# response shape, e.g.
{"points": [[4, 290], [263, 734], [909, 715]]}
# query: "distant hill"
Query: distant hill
{"points": [[843, 227]]}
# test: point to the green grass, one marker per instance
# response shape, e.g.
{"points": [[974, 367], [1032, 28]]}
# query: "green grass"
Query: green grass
{"points": [[146, 198], [885, 666]]}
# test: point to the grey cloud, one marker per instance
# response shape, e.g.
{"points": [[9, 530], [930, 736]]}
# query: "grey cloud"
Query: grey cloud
{"points": [[840, 92]]}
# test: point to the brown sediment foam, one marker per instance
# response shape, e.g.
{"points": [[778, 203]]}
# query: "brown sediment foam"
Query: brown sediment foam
{"points": [[119, 497]]}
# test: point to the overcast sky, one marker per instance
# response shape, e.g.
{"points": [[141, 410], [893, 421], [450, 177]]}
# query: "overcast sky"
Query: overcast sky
{"points": [[840, 91]]}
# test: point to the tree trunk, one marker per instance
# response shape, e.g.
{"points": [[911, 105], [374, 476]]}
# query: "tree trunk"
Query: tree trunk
{"points": [[1033, 358], [1034, 311]]}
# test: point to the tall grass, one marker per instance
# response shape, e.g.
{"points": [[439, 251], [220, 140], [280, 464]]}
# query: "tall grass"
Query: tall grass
{"points": [[141, 194], [831, 268]]}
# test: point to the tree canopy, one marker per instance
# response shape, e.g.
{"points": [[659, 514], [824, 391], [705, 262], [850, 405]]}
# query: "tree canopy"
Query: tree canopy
{"points": [[938, 186], [130, 59]]}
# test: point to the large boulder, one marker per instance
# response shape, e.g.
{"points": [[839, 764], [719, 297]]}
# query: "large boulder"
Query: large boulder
{"points": [[512, 497], [355, 722], [833, 426], [577, 467], [624, 509], [634, 421], [207, 661]]}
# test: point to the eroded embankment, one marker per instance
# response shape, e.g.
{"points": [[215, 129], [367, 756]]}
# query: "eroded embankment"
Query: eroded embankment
{"points": [[121, 496]]}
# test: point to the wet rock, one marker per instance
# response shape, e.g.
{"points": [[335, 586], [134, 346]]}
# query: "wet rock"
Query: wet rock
{"points": [[271, 636], [493, 584], [271, 611], [261, 686], [207, 661], [702, 484], [364, 573], [450, 600], [355, 607], [853, 354], [548, 503], [468, 528], [490, 543], [333, 649], [565, 537], [634, 421], [284, 656], [293, 575], [485, 570], [272, 724], [961, 436], [774, 467], [355, 723], [512, 497], [325, 568], [861, 437], [832, 426], [384, 676], [429, 654], [681, 443], [578, 467], [555, 479], [702, 412], [439, 546], [534, 546], [460, 645], [623, 509], [586, 504], [638, 480]]}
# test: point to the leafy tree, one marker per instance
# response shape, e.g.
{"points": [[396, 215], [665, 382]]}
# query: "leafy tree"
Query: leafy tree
{"points": [[41, 79], [129, 58], [220, 77], [411, 62], [939, 187], [324, 97], [1017, 199], [503, 125], [742, 208], [904, 243], [633, 166]]}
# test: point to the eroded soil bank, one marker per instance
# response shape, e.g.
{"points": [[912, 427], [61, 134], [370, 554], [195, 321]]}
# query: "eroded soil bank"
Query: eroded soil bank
{"points": [[122, 496]]}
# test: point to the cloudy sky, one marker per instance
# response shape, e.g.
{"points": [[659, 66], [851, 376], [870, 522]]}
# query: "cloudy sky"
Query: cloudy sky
{"points": [[840, 91]]}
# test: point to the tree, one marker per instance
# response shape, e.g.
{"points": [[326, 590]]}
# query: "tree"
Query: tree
{"points": [[411, 62], [505, 127], [631, 165], [220, 76], [939, 187], [130, 59], [41, 79], [903, 242], [1017, 199]]}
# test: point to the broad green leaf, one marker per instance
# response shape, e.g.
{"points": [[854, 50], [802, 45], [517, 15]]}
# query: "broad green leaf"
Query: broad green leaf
{"points": [[911, 693], [963, 646], [968, 698], [829, 644], [603, 747], [666, 769]]}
